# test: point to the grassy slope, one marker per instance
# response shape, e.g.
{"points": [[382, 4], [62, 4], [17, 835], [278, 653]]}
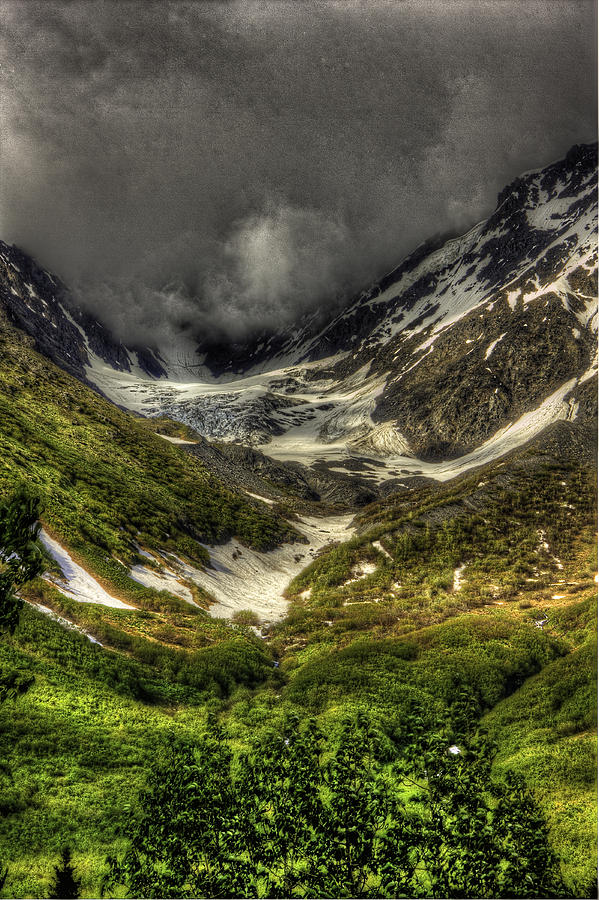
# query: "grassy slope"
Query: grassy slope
{"points": [[110, 485], [524, 529], [547, 731], [78, 743], [76, 747], [107, 480], [519, 528]]}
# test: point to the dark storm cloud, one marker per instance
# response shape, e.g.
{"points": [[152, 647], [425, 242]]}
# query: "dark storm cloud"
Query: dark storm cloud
{"points": [[206, 165]]}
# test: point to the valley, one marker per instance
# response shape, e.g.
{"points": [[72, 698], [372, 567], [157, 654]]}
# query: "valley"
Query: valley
{"points": [[508, 310], [389, 511]]}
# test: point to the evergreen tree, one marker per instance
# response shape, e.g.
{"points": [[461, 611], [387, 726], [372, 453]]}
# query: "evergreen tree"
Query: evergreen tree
{"points": [[20, 556], [65, 886]]}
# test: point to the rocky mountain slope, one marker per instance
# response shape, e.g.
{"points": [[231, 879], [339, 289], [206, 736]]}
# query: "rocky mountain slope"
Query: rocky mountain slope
{"points": [[40, 304], [480, 342]]}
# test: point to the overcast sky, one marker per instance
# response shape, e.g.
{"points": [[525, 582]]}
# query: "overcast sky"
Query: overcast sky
{"points": [[206, 165]]}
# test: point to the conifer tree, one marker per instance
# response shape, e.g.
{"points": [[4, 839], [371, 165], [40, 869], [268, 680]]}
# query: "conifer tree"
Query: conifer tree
{"points": [[65, 886], [20, 555]]}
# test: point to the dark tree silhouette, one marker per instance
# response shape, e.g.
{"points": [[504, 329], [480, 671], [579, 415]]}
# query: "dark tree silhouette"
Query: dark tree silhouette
{"points": [[20, 556], [65, 886], [20, 561], [302, 816]]}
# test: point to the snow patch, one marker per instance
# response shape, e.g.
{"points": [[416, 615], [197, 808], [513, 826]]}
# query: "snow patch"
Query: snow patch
{"points": [[260, 497], [492, 345], [457, 577], [77, 584], [175, 440], [241, 578], [543, 545], [166, 580], [378, 546], [512, 299], [362, 570]]}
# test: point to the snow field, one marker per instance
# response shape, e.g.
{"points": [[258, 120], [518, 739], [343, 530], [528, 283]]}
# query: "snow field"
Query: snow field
{"points": [[77, 584], [165, 580], [241, 578]]}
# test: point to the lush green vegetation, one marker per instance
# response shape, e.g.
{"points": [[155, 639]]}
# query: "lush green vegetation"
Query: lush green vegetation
{"points": [[146, 666], [20, 561], [20, 555], [431, 607], [521, 535], [489, 657], [547, 732], [107, 482], [299, 816], [78, 744], [506, 535]]}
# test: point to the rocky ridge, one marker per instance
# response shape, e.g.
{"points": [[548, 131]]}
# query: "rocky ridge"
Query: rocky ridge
{"points": [[39, 304]]}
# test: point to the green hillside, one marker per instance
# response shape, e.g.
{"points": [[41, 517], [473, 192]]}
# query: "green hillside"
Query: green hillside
{"points": [[547, 731], [108, 484], [438, 597], [432, 607], [510, 535]]}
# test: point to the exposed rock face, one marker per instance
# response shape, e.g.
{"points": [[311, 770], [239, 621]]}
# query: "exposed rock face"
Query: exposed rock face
{"points": [[30, 297], [462, 367], [474, 381], [292, 483], [39, 304]]}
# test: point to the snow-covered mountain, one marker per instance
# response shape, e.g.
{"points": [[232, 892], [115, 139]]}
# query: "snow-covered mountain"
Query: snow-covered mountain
{"points": [[40, 304], [463, 351]]}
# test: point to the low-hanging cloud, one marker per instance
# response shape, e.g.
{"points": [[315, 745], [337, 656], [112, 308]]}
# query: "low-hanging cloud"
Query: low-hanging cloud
{"points": [[274, 266], [267, 273], [218, 168]]}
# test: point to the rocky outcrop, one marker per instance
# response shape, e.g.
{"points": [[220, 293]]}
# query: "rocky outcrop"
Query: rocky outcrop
{"points": [[40, 305], [290, 483], [478, 379]]}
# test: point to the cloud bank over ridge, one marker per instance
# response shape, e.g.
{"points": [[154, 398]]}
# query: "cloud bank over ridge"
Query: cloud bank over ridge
{"points": [[220, 167]]}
